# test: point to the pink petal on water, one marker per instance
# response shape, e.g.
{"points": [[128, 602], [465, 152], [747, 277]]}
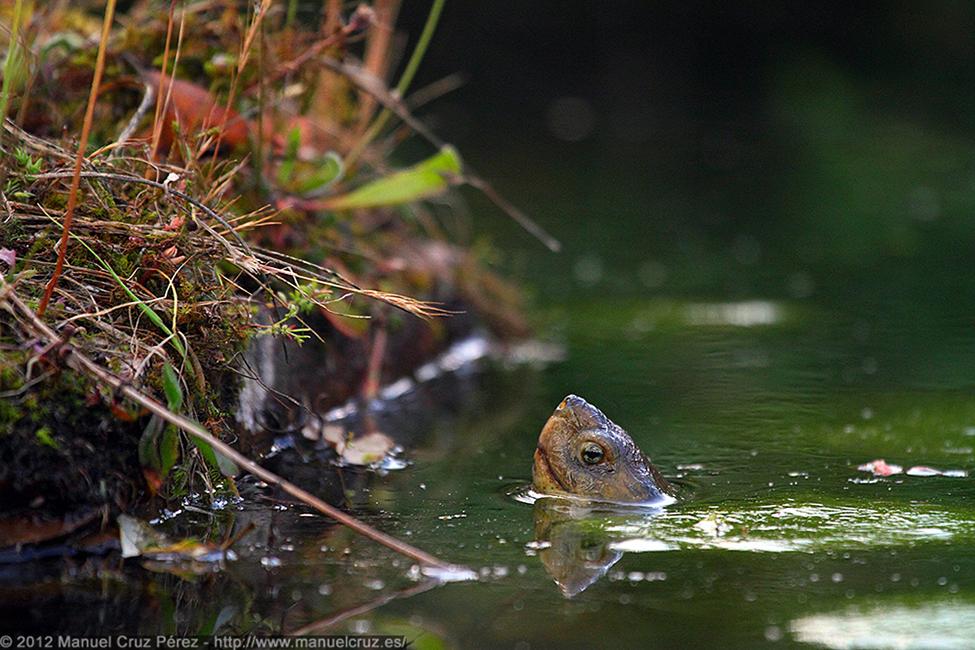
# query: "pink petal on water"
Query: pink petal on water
{"points": [[880, 467]]}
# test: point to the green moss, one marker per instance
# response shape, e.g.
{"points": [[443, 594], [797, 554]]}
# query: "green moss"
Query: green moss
{"points": [[44, 437]]}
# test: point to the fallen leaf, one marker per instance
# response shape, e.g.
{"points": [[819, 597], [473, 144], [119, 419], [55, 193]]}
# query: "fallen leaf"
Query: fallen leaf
{"points": [[335, 435], [370, 448], [139, 539], [196, 110]]}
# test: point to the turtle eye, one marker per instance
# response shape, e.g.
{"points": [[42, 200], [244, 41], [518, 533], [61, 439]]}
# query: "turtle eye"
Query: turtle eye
{"points": [[592, 454]]}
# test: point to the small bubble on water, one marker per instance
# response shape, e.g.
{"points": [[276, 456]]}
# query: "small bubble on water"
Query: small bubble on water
{"points": [[895, 577], [813, 577], [773, 633], [635, 576], [423, 486], [837, 577], [324, 589], [942, 581], [270, 562], [866, 413], [625, 599], [360, 626], [522, 569], [375, 585]]}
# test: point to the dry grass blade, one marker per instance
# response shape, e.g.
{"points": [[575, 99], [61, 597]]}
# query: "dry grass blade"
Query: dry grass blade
{"points": [[245, 52], [265, 264], [79, 159]]}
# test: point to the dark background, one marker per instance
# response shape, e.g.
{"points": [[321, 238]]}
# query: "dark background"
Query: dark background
{"points": [[729, 148]]}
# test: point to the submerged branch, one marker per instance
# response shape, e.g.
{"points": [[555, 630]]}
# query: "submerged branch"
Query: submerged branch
{"points": [[81, 363]]}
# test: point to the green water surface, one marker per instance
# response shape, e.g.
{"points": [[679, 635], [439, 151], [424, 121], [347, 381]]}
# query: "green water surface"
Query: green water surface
{"points": [[759, 410]]}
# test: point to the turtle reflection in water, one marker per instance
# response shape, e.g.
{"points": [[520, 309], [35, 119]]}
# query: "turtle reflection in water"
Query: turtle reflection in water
{"points": [[589, 464]]}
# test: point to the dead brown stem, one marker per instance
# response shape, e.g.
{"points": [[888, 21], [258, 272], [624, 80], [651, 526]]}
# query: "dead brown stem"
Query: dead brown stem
{"points": [[245, 52], [160, 99], [377, 55], [80, 157]]}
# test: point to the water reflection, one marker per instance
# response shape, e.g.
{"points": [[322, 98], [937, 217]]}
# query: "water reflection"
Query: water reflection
{"points": [[576, 545]]}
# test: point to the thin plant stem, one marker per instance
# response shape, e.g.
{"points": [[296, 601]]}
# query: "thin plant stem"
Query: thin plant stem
{"points": [[80, 157], [8, 64], [161, 97], [404, 81]]}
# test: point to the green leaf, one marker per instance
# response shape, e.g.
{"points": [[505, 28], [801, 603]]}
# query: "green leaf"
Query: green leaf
{"points": [[168, 450], [213, 459], [328, 170], [174, 393], [427, 178], [148, 444], [159, 444], [159, 447]]}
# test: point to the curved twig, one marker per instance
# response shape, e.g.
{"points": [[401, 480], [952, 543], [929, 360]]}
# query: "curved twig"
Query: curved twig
{"points": [[81, 363]]}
